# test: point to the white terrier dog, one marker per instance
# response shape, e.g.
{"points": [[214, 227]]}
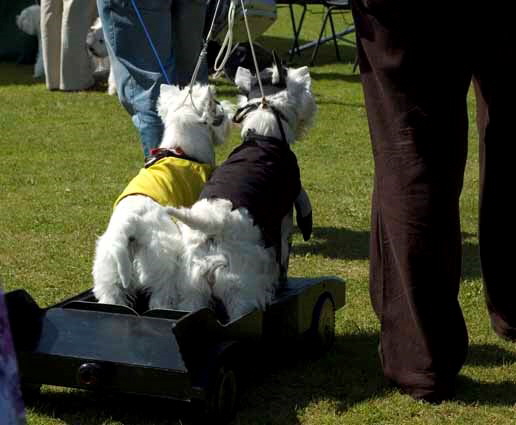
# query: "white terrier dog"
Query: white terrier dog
{"points": [[235, 234], [141, 247], [29, 22], [97, 48]]}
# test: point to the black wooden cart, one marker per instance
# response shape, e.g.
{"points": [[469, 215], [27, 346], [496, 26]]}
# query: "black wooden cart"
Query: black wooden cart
{"points": [[186, 356]]}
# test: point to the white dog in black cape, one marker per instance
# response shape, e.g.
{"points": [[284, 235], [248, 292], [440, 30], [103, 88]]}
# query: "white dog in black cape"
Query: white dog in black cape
{"points": [[236, 236]]}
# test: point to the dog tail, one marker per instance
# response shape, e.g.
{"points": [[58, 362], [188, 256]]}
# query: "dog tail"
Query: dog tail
{"points": [[123, 261], [191, 220]]}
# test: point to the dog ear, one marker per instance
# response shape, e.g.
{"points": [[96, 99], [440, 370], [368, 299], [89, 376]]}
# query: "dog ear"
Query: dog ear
{"points": [[243, 79], [301, 76], [97, 24], [278, 71], [209, 102], [229, 109], [167, 94], [211, 94], [299, 84]]}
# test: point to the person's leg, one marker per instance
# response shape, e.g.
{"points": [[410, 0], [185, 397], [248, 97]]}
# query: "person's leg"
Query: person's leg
{"points": [[134, 65], [495, 90], [418, 123], [76, 63], [11, 401], [187, 36], [51, 13]]}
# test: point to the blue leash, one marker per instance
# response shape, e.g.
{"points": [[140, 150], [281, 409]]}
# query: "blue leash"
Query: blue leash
{"points": [[149, 39]]}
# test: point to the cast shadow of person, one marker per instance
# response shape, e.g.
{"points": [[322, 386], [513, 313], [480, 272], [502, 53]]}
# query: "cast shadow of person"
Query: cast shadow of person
{"points": [[472, 391], [325, 56], [470, 257], [13, 74], [347, 374], [342, 243], [350, 374]]}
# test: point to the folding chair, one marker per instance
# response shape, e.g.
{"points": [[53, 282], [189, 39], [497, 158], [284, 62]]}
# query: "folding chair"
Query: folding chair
{"points": [[332, 6], [296, 28]]}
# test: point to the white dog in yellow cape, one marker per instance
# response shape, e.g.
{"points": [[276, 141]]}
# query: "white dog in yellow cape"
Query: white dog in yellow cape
{"points": [[140, 250]]}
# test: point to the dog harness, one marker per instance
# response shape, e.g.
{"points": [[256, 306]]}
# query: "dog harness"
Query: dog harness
{"points": [[170, 180], [261, 175]]}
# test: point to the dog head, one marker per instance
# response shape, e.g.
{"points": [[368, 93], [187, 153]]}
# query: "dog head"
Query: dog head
{"points": [[95, 40], [194, 121], [29, 20], [288, 90]]}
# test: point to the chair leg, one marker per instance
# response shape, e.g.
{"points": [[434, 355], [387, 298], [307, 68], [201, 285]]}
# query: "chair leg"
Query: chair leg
{"points": [[330, 10], [355, 64], [296, 29], [316, 50]]}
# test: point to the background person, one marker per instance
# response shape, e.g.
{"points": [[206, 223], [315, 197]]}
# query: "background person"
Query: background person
{"points": [[417, 62], [64, 26], [175, 28], [12, 410]]}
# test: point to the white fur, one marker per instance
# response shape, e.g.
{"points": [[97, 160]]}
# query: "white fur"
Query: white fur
{"points": [[29, 22], [224, 250], [97, 47], [142, 248]]}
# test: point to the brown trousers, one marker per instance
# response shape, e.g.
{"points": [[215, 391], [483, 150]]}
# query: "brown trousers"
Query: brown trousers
{"points": [[417, 61]]}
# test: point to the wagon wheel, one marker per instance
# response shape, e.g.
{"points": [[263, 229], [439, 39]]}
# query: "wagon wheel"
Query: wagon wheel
{"points": [[221, 387], [322, 329], [221, 396]]}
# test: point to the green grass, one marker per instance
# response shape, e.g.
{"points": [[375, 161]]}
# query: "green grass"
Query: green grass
{"points": [[66, 156]]}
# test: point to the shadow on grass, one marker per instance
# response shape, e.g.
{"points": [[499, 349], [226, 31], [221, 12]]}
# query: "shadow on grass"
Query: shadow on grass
{"points": [[335, 76], [470, 260], [489, 355], [334, 242], [341, 243], [325, 56], [17, 74], [90, 408], [486, 393], [348, 374]]}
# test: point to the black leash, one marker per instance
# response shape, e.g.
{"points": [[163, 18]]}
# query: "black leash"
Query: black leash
{"points": [[160, 153], [242, 112]]}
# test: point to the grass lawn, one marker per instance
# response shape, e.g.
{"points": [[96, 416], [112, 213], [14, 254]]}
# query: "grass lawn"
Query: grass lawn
{"points": [[67, 156]]}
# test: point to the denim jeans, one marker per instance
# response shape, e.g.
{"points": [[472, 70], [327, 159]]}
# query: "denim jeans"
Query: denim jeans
{"points": [[176, 29]]}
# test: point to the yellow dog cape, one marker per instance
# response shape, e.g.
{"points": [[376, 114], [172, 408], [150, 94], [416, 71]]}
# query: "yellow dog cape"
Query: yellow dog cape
{"points": [[170, 181]]}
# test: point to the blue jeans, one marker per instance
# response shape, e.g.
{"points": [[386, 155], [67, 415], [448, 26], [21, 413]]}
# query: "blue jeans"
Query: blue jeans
{"points": [[175, 28]]}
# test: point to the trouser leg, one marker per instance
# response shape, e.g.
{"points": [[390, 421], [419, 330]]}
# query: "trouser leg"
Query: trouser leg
{"points": [[187, 31], [495, 91], [51, 14], [136, 69], [419, 145], [76, 63]]}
